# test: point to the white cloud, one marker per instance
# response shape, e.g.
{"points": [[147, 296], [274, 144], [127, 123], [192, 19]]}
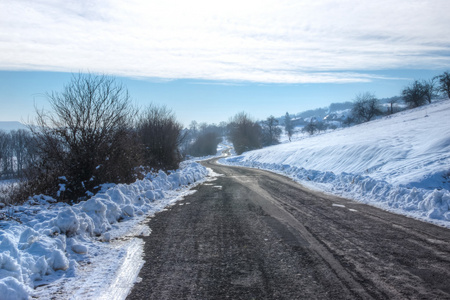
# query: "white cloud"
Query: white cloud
{"points": [[261, 41]]}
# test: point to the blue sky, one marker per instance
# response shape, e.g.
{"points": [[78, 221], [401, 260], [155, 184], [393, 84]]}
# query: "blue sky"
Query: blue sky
{"points": [[208, 60]]}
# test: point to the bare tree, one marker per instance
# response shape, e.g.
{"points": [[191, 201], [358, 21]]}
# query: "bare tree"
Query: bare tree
{"points": [[193, 127], [161, 136], [6, 155], [365, 107], [310, 128], [23, 148], [4, 144], [429, 89], [244, 133], [270, 131], [288, 126], [444, 83], [414, 95], [85, 140]]}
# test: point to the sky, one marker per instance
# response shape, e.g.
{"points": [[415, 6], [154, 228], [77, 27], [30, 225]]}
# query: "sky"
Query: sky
{"points": [[208, 60]]}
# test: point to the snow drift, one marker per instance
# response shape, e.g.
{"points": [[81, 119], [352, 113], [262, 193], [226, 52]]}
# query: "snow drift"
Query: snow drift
{"points": [[50, 238], [400, 162]]}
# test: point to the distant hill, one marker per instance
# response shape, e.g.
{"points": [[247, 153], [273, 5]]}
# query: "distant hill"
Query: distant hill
{"points": [[11, 125], [337, 112]]}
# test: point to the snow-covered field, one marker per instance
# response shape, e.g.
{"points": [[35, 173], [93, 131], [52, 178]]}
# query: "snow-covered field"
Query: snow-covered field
{"points": [[90, 250], [400, 163]]}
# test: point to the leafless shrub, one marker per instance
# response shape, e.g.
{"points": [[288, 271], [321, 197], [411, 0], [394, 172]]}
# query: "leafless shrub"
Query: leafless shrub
{"points": [[414, 95], [444, 83], [85, 140], [160, 135]]}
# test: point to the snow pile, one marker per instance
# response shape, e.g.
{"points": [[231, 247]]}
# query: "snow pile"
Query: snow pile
{"points": [[400, 162], [50, 239]]}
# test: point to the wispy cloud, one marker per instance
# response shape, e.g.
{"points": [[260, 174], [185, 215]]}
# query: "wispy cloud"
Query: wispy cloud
{"points": [[260, 41]]}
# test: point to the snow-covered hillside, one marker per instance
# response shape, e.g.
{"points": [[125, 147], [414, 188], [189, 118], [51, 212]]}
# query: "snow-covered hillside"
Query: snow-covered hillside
{"points": [[400, 162], [88, 250], [11, 125]]}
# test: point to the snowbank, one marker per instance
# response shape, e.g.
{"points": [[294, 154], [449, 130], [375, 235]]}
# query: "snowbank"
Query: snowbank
{"points": [[398, 162], [50, 239]]}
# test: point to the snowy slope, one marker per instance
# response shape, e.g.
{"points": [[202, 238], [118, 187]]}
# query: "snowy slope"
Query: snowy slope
{"points": [[11, 125], [397, 162], [89, 250]]}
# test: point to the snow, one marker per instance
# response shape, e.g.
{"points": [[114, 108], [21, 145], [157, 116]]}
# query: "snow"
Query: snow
{"points": [[93, 250], [88, 250], [398, 162]]}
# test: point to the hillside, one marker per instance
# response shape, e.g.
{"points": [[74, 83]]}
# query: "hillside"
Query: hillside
{"points": [[11, 125], [336, 113], [400, 162]]}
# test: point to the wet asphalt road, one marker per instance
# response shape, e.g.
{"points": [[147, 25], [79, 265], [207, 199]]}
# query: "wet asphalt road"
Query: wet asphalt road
{"points": [[251, 234]]}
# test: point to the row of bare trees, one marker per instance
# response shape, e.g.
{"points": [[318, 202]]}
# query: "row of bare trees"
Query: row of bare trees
{"points": [[16, 153], [242, 131], [93, 135], [202, 139], [419, 92]]}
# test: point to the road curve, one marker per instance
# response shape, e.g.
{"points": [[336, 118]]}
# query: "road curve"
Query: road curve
{"points": [[252, 234]]}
